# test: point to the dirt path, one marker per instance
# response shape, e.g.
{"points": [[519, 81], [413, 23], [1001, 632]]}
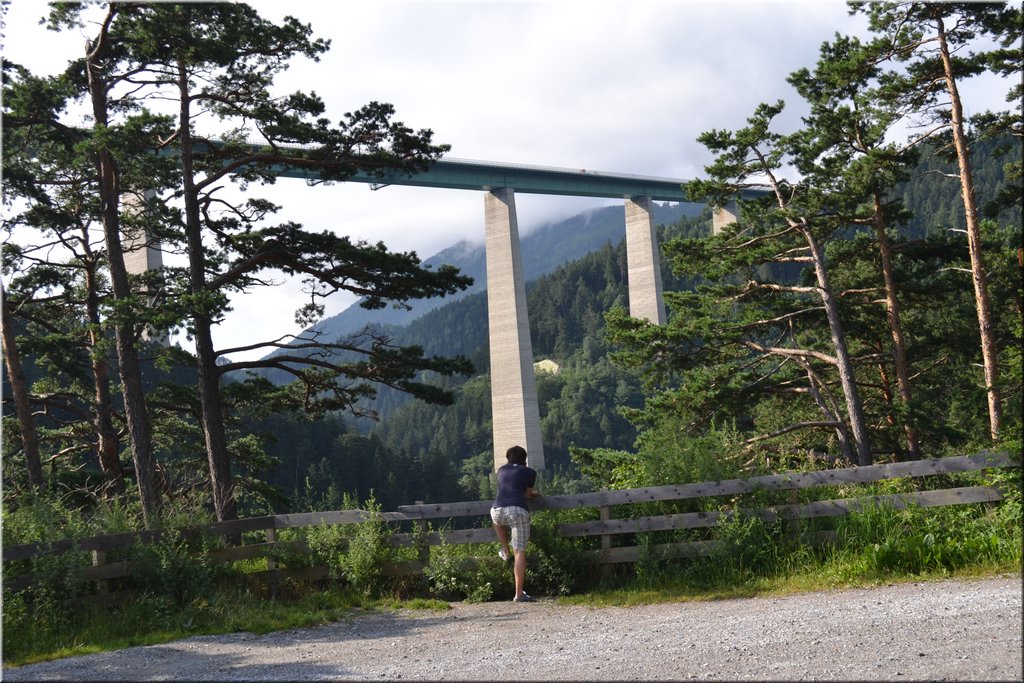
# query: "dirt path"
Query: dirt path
{"points": [[953, 630]]}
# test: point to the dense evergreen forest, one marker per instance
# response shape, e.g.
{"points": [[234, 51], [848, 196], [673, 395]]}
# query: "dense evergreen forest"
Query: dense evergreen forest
{"points": [[869, 309]]}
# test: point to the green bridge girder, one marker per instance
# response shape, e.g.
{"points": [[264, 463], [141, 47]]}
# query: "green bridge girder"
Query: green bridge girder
{"points": [[464, 174], [459, 174]]}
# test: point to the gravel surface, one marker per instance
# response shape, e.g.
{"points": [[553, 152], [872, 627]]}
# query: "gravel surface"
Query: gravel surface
{"points": [[951, 630]]}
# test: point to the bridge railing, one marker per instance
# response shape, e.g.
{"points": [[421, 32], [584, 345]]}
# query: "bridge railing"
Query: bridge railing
{"points": [[416, 521]]}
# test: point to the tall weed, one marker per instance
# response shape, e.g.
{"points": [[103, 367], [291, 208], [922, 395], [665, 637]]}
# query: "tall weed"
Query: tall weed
{"points": [[370, 555], [42, 518], [49, 607]]}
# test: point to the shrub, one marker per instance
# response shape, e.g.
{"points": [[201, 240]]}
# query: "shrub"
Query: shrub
{"points": [[327, 545], [174, 569], [40, 518], [455, 573], [49, 607], [370, 553], [557, 565], [748, 546]]}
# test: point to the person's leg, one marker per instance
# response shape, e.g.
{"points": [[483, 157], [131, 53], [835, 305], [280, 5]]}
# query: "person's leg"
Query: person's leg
{"points": [[520, 536], [501, 530], [519, 569], [502, 533]]}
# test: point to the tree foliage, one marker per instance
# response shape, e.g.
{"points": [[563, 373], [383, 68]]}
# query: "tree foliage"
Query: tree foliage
{"points": [[161, 181]]}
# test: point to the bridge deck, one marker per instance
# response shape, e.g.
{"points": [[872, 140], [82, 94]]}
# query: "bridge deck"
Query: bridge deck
{"points": [[464, 174], [461, 174]]}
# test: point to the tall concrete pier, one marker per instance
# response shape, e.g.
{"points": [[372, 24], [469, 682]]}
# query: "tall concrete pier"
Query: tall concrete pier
{"points": [[142, 253], [643, 264], [515, 413], [723, 216]]}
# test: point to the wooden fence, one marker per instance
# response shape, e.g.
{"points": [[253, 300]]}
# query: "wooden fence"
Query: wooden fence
{"points": [[415, 519]]}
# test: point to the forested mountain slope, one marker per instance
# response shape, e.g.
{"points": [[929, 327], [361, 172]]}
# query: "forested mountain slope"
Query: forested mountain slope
{"points": [[932, 196], [543, 250]]}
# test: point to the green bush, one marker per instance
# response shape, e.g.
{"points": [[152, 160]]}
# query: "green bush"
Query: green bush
{"points": [[370, 553], [50, 606], [556, 565], [40, 518], [456, 573], [174, 569], [327, 545]]}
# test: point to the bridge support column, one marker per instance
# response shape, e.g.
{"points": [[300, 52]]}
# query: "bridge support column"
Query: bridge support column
{"points": [[514, 408], [643, 263], [141, 255], [724, 216]]}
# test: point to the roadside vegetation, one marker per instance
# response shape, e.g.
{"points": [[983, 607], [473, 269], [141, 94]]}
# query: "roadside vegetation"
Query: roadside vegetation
{"points": [[179, 594]]}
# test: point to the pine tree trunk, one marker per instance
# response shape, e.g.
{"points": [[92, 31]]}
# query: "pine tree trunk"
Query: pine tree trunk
{"points": [[127, 357], [107, 446], [989, 354], [217, 454], [855, 411], [19, 391], [892, 314], [842, 434]]}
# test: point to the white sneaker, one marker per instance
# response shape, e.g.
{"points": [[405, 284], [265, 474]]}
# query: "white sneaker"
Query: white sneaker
{"points": [[503, 556]]}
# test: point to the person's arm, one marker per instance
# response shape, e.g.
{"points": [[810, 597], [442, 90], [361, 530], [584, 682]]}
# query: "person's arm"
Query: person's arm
{"points": [[530, 492]]}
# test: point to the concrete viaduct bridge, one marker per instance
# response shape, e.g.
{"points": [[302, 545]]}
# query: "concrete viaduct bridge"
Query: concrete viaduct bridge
{"points": [[515, 410]]}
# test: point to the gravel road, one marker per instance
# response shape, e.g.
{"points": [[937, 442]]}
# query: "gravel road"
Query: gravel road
{"points": [[945, 631]]}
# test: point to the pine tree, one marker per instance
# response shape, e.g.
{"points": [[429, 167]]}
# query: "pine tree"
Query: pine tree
{"points": [[53, 170], [789, 224], [218, 61], [932, 43], [845, 148]]}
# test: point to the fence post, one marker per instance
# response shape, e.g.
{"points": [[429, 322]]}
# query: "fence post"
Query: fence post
{"points": [[422, 547], [99, 558], [272, 561], [606, 542]]}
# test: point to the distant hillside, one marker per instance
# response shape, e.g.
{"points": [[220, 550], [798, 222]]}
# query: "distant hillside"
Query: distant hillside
{"points": [[543, 250], [566, 305]]}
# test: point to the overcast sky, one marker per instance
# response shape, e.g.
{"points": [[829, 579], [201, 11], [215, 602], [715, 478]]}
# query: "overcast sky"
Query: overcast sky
{"points": [[602, 85]]}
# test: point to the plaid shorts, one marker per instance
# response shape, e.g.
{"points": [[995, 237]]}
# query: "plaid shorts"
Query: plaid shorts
{"points": [[518, 519]]}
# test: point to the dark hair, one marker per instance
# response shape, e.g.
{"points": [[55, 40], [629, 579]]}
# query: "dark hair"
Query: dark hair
{"points": [[517, 455]]}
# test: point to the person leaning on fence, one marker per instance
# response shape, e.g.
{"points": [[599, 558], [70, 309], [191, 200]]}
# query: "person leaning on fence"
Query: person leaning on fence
{"points": [[509, 511]]}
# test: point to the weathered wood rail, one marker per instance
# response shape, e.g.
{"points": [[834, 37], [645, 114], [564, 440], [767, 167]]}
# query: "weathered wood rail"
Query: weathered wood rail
{"points": [[605, 527]]}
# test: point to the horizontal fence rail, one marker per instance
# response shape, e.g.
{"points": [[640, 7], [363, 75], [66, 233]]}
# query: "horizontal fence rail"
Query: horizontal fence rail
{"points": [[605, 528], [773, 482]]}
